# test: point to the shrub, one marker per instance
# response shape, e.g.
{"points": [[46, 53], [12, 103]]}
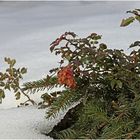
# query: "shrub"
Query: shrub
{"points": [[106, 86]]}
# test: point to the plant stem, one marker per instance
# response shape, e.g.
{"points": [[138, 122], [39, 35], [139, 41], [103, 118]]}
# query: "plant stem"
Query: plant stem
{"points": [[29, 99]]}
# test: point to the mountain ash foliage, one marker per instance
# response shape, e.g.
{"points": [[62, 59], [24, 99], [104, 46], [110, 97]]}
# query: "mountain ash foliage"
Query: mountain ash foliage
{"points": [[106, 86], [103, 83]]}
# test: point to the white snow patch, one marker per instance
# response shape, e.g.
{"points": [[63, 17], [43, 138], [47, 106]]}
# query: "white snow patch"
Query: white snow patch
{"points": [[27, 122], [22, 123]]}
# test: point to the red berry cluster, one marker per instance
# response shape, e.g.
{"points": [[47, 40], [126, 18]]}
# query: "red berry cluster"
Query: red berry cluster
{"points": [[65, 76]]}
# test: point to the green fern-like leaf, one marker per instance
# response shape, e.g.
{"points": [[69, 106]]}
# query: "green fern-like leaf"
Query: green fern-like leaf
{"points": [[66, 99], [68, 133], [95, 112], [93, 116], [35, 86], [116, 129]]}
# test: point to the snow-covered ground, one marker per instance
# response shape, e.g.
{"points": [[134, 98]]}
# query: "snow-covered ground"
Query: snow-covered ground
{"points": [[27, 29], [17, 123]]}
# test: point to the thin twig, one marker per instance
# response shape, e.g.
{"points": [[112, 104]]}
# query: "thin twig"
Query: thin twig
{"points": [[29, 99]]}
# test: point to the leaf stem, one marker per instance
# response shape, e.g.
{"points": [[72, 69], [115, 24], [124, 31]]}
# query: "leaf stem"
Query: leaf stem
{"points": [[29, 99]]}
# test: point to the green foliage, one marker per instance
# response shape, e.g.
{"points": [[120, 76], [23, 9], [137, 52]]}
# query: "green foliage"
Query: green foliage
{"points": [[39, 85], [2, 95], [129, 20], [10, 80], [107, 84], [69, 134], [62, 102]]}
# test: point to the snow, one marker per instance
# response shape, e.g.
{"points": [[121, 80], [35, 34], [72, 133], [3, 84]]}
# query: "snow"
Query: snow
{"points": [[23, 122], [26, 31], [27, 122]]}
